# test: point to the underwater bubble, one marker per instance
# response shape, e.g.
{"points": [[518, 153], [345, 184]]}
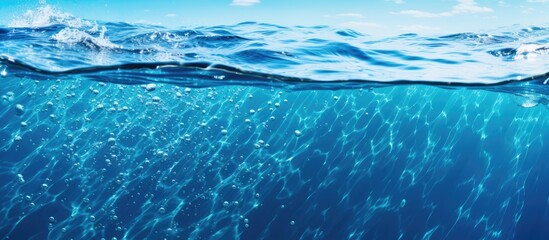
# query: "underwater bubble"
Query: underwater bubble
{"points": [[20, 178], [336, 98], [224, 131], [277, 104], [19, 109], [18, 138], [150, 87], [225, 204], [111, 140], [52, 219], [297, 133], [156, 99], [292, 223], [162, 210], [24, 124], [403, 203], [3, 71], [252, 111], [92, 218], [187, 90], [178, 94]]}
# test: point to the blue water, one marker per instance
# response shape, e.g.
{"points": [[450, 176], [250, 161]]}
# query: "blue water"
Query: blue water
{"points": [[257, 131]]}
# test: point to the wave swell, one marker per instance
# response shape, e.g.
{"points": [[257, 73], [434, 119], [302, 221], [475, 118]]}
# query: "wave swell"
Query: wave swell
{"points": [[49, 44]]}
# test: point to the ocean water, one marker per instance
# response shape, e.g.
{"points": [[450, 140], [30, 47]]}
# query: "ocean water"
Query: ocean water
{"points": [[257, 131]]}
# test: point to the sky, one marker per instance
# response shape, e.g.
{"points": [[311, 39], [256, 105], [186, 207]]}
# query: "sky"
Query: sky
{"points": [[374, 17]]}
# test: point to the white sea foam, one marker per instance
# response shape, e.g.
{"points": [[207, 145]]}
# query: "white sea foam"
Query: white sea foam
{"points": [[531, 51], [46, 15], [75, 36]]}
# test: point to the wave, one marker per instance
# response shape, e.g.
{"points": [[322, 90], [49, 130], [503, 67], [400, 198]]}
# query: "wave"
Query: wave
{"points": [[49, 44]]}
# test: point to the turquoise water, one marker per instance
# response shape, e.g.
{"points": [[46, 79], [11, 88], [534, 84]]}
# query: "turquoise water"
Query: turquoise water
{"points": [[127, 131]]}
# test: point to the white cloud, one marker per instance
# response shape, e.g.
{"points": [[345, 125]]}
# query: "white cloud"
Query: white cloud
{"points": [[244, 2], [349, 15], [417, 28], [538, 1], [396, 1], [469, 6], [353, 24], [462, 6], [171, 15], [422, 14], [345, 15]]}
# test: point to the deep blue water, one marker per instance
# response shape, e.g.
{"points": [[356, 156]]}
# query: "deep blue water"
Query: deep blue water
{"points": [[257, 131]]}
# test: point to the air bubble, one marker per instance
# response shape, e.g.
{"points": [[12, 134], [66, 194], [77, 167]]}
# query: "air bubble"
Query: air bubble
{"points": [[19, 109], [3, 71], [297, 133], [20, 178], [150, 87]]}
